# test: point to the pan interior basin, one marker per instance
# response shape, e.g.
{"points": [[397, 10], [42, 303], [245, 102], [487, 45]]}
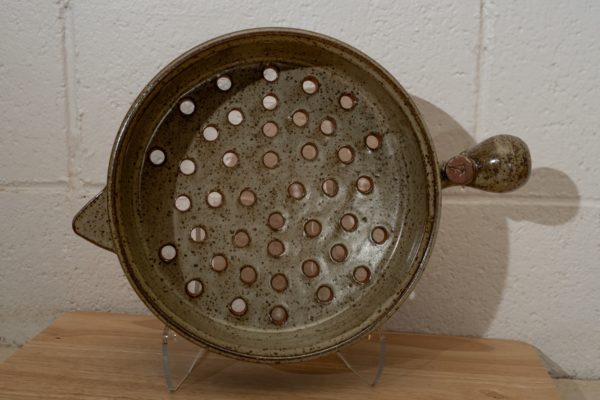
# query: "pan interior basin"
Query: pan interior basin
{"points": [[273, 194]]}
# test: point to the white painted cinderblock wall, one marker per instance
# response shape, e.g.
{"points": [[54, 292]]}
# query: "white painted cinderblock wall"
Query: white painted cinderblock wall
{"points": [[523, 266]]}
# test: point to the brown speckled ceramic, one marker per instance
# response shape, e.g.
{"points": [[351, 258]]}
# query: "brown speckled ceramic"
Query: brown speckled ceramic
{"points": [[273, 194]]}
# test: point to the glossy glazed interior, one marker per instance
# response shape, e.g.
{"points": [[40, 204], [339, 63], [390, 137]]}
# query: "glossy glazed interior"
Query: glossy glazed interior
{"points": [[404, 199]]}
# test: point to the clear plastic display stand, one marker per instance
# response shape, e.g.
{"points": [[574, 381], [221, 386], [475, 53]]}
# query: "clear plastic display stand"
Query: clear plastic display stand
{"points": [[183, 362]]}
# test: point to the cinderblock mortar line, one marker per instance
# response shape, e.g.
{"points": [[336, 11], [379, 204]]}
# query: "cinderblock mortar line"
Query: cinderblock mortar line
{"points": [[73, 130], [479, 71]]}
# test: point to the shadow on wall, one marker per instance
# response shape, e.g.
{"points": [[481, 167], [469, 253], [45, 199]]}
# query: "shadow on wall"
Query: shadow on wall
{"points": [[462, 286]]}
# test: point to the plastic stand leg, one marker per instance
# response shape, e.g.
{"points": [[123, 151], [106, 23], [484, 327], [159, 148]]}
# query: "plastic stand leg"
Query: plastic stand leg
{"points": [[180, 358]]}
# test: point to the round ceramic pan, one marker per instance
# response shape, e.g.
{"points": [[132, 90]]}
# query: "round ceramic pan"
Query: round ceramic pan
{"points": [[273, 194]]}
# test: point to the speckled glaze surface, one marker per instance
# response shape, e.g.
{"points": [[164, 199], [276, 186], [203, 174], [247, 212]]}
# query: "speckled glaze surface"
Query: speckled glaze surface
{"points": [[262, 244]]}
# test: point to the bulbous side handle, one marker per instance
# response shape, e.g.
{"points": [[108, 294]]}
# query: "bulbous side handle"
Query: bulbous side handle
{"points": [[499, 164]]}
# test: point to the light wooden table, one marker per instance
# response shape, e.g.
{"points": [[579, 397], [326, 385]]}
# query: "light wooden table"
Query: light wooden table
{"points": [[112, 356]]}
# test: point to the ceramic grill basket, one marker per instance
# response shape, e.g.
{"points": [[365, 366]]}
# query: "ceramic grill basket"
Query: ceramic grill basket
{"points": [[273, 194]]}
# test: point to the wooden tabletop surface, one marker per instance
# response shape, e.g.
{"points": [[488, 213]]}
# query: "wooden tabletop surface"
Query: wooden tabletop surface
{"points": [[113, 356]]}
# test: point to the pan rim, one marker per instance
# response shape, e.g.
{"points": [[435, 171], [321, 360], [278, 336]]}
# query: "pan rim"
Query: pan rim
{"points": [[433, 188]]}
